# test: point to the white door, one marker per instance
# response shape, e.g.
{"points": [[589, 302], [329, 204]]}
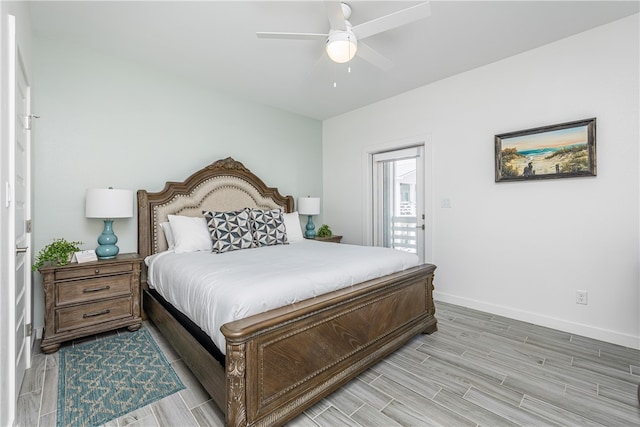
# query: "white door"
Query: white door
{"points": [[398, 205], [21, 213]]}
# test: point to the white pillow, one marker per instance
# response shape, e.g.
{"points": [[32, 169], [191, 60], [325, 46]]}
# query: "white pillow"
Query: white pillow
{"points": [[292, 225], [190, 233], [168, 235]]}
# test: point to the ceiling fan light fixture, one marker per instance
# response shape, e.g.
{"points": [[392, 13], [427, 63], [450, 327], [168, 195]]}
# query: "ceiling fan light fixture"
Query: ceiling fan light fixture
{"points": [[341, 46]]}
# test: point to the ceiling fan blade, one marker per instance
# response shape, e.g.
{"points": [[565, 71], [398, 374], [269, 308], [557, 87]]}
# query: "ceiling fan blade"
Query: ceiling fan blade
{"points": [[335, 15], [294, 36], [370, 55], [393, 20]]}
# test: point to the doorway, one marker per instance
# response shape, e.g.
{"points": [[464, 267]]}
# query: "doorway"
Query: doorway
{"points": [[15, 215], [22, 217], [398, 200]]}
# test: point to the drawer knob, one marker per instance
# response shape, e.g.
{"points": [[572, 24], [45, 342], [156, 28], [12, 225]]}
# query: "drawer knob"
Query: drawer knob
{"points": [[96, 313], [97, 271], [103, 288]]}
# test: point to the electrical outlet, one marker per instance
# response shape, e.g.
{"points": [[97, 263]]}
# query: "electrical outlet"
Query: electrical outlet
{"points": [[581, 297]]}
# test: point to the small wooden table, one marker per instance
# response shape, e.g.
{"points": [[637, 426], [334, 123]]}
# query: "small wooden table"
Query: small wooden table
{"points": [[332, 239], [89, 298]]}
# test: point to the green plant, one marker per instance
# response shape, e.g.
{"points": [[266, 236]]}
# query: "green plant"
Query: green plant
{"points": [[57, 252], [324, 231]]}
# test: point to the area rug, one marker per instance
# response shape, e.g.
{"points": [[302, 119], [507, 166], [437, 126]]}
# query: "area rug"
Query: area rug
{"points": [[105, 379]]}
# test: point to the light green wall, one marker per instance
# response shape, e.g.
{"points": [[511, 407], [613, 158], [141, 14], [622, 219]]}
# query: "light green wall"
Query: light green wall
{"points": [[108, 122]]}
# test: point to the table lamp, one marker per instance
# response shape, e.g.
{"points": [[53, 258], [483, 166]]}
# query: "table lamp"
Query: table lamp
{"points": [[309, 206], [108, 203]]}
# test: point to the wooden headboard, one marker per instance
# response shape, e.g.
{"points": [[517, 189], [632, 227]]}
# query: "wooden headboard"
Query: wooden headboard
{"points": [[222, 186]]}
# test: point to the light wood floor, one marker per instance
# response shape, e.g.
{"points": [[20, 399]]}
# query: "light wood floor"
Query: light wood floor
{"points": [[478, 369]]}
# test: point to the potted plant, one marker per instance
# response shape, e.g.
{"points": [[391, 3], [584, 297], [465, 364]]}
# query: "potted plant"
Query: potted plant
{"points": [[57, 252], [324, 231]]}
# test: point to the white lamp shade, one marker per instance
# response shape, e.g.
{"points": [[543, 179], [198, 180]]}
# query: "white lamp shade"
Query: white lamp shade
{"points": [[109, 203], [309, 205], [341, 46]]}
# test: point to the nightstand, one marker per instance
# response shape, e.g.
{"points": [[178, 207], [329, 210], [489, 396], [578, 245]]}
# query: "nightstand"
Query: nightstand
{"points": [[332, 239], [88, 298]]}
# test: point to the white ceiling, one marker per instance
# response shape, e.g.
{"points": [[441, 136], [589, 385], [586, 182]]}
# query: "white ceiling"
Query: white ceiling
{"points": [[214, 42]]}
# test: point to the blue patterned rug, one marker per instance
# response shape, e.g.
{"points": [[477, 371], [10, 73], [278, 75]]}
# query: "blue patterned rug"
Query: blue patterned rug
{"points": [[103, 380]]}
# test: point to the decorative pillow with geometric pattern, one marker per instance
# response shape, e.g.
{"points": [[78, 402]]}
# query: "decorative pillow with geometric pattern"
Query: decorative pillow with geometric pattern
{"points": [[230, 230], [268, 227]]}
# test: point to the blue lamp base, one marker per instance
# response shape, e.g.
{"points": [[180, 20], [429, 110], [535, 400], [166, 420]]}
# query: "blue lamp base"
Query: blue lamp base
{"points": [[310, 233], [107, 242]]}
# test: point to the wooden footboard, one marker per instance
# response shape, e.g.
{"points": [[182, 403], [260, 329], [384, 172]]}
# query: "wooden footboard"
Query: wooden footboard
{"points": [[280, 362], [283, 361]]}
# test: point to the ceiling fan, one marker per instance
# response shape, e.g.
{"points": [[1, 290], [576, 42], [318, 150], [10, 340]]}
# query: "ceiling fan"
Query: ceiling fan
{"points": [[344, 40]]}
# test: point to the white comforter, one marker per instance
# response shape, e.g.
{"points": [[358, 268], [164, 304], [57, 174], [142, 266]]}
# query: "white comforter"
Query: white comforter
{"points": [[214, 289]]}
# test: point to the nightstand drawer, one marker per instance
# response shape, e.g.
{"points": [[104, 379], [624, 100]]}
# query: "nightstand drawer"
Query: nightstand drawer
{"points": [[83, 299], [91, 314], [92, 289], [95, 270]]}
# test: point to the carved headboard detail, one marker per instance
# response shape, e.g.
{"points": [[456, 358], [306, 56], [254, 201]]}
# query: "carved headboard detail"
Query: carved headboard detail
{"points": [[222, 186]]}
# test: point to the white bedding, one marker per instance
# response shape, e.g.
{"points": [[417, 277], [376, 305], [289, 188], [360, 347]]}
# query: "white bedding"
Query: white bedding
{"points": [[214, 289]]}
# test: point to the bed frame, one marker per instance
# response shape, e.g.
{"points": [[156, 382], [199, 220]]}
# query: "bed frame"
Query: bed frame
{"points": [[280, 362]]}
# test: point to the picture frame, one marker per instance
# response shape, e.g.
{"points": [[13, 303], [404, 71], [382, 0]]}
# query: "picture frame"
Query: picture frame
{"points": [[84, 256], [565, 150]]}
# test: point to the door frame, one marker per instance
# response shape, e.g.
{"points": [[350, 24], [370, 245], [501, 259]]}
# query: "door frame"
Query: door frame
{"points": [[380, 161], [11, 37], [367, 190], [7, 251], [23, 122]]}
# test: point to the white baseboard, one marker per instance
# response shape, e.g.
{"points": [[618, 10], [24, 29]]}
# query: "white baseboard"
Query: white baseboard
{"points": [[606, 335]]}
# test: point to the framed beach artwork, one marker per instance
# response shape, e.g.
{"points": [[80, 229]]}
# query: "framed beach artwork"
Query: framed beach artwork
{"points": [[565, 150]]}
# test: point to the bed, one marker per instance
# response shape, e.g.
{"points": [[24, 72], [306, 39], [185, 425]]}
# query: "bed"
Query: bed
{"points": [[269, 370]]}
